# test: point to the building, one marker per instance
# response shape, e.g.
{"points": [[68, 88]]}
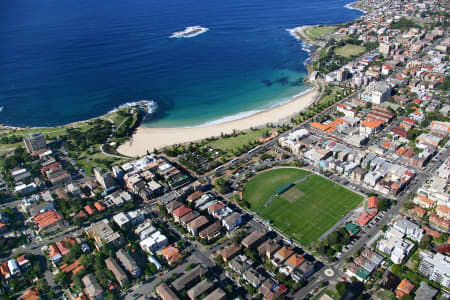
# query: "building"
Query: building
{"points": [[13, 267], [154, 242], [271, 290], [411, 230], [217, 294], [128, 263], [253, 277], [268, 248], [195, 225], [232, 221], [92, 288], [230, 252], [211, 232], [165, 292], [102, 233], [373, 202], [49, 221], [117, 271], [35, 142], [404, 288], [253, 239], [437, 268], [425, 292], [377, 92], [189, 279], [281, 255], [199, 289], [104, 178]]}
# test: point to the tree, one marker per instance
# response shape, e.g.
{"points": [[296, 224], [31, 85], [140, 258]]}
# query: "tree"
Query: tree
{"points": [[341, 287], [397, 270], [425, 243], [63, 279]]}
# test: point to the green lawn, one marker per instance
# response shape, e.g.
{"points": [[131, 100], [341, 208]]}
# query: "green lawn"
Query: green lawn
{"points": [[228, 144], [322, 204], [319, 31], [350, 50]]}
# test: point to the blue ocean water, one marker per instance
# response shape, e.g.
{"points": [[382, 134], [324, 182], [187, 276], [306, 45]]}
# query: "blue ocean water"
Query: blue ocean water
{"points": [[64, 61]]}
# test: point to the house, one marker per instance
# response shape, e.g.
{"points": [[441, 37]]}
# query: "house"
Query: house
{"points": [[441, 223], [232, 221], [211, 232], [217, 294], [171, 206], [13, 267], [199, 289], [117, 271], [373, 202], [239, 264], [31, 294], [102, 233], [281, 255], [165, 292], [128, 263], [99, 206], [437, 268], [171, 254], [423, 201], [4, 270], [253, 277], [370, 127], [23, 261], [229, 252], [195, 225], [253, 239], [189, 279], [189, 217], [443, 211], [404, 288], [92, 288], [411, 230], [271, 290], [425, 292], [54, 254], [303, 272], [89, 209], [49, 221], [180, 212], [194, 196], [216, 208], [72, 269], [294, 261], [154, 242], [268, 248]]}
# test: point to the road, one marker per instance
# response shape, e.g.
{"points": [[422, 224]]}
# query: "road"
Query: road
{"points": [[388, 217]]}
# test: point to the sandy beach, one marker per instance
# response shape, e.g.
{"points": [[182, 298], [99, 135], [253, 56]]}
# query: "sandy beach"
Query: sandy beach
{"points": [[146, 139]]}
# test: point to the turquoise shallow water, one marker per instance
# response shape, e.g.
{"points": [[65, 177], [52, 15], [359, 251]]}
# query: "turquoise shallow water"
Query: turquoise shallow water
{"points": [[65, 61]]}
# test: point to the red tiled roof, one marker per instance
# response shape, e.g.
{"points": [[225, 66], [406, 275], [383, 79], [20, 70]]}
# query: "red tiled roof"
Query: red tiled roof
{"points": [[89, 209], [47, 218], [99, 206], [373, 202], [181, 211]]}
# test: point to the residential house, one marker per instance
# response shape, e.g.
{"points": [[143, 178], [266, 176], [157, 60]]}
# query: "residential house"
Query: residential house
{"points": [[211, 232], [128, 262], [92, 288], [217, 294], [165, 292], [253, 239], [180, 212], [199, 289], [281, 255], [49, 221], [232, 221], [230, 252], [189, 279], [271, 290], [404, 288], [253, 277], [268, 248], [117, 271], [195, 225], [102, 233]]}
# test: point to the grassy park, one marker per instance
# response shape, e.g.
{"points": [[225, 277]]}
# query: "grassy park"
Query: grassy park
{"points": [[232, 143], [350, 50], [319, 31], [306, 210]]}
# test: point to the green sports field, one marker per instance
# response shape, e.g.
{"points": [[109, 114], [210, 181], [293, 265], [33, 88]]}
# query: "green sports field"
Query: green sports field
{"points": [[306, 210]]}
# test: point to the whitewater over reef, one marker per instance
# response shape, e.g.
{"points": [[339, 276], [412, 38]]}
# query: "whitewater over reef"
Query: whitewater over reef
{"points": [[189, 32]]}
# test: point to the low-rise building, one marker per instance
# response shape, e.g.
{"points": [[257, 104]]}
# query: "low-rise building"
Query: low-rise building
{"points": [[128, 263]]}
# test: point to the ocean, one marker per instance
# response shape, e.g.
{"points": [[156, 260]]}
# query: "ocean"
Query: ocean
{"points": [[65, 61]]}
